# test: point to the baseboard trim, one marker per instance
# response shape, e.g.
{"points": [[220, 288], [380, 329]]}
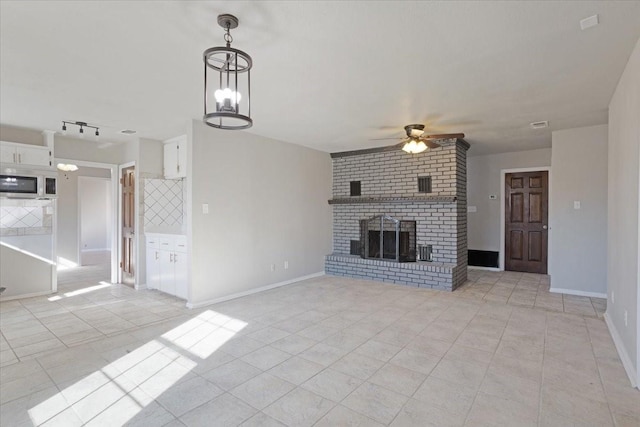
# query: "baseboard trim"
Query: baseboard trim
{"points": [[141, 287], [622, 352], [578, 293], [254, 291], [477, 267], [35, 294]]}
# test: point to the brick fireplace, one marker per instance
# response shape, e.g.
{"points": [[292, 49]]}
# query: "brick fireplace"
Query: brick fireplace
{"points": [[429, 189]]}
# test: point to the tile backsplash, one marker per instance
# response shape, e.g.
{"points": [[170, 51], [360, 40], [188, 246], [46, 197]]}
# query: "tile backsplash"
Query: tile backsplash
{"points": [[163, 202], [25, 217]]}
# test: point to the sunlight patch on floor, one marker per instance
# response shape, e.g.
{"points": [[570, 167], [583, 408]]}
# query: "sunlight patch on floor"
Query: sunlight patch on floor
{"points": [[119, 391]]}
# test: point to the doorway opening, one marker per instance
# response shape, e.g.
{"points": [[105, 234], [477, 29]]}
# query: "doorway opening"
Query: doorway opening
{"points": [[87, 223]]}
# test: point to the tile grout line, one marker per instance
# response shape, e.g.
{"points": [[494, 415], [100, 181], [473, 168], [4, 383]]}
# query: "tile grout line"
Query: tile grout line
{"points": [[466, 418], [544, 350], [604, 391]]}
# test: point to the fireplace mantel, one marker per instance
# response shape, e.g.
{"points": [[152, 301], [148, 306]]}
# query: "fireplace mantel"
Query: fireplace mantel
{"points": [[391, 199]]}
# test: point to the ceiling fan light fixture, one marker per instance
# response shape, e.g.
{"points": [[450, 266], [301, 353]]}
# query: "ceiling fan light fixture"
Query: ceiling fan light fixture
{"points": [[67, 167], [414, 147]]}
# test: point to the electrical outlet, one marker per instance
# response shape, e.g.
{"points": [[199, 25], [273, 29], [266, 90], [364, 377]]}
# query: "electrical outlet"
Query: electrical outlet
{"points": [[626, 315], [273, 267], [286, 265]]}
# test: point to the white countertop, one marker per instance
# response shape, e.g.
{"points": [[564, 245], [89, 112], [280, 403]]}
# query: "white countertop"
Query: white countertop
{"points": [[172, 231]]}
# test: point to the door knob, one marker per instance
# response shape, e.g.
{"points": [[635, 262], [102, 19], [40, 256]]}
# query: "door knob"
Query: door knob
{"points": [[544, 227]]}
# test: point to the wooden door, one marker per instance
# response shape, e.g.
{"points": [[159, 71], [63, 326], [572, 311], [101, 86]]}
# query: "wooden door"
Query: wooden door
{"points": [[127, 263], [526, 215]]}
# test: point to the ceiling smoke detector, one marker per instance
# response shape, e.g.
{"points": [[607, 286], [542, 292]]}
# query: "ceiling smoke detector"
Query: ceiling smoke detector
{"points": [[539, 125], [128, 131]]}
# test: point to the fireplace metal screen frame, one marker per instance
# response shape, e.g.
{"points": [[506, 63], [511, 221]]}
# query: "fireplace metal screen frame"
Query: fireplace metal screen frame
{"points": [[398, 226]]}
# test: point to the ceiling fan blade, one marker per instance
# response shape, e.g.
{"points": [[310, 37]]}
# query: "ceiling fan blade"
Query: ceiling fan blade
{"points": [[429, 143], [444, 136], [385, 139]]}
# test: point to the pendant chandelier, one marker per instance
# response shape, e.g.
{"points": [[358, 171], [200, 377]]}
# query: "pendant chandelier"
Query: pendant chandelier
{"points": [[227, 83]]}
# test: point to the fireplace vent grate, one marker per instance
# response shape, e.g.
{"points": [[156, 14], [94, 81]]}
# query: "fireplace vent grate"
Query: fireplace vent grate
{"points": [[424, 184], [355, 189]]}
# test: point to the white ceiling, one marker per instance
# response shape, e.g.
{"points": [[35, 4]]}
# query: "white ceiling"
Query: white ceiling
{"points": [[328, 75]]}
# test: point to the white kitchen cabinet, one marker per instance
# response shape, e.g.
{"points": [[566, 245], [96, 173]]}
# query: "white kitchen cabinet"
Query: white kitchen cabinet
{"points": [[24, 154], [175, 158], [153, 263], [167, 264]]}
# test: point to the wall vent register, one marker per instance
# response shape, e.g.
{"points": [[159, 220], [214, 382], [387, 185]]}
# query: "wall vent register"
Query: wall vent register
{"points": [[355, 188], [424, 184]]}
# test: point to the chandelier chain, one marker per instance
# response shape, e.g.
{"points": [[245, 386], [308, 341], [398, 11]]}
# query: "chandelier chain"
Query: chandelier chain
{"points": [[227, 36]]}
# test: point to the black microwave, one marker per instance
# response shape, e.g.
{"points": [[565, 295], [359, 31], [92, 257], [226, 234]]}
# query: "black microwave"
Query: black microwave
{"points": [[28, 184]]}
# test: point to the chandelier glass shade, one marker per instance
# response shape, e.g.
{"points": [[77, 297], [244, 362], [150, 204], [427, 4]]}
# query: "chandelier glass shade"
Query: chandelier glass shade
{"points": [[227, 83]]}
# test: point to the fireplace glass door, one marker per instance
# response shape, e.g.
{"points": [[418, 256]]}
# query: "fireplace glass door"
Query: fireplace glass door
{"points": [[384, 237]]}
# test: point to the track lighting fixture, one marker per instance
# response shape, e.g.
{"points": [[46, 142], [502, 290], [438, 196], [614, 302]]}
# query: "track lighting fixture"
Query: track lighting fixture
{"points": [[82, 125]]}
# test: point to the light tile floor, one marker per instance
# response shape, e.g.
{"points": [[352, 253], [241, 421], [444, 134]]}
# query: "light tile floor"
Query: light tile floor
{"points": [[327, 352]]}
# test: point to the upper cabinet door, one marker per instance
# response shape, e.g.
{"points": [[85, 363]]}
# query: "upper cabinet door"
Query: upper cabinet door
{"points": [[175, 158], [24, 154], [170, 160], [8, 153], [37, 156]]}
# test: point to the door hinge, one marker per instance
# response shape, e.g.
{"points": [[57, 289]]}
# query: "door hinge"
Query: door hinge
{"points": [[120, 264], [121, 182]]}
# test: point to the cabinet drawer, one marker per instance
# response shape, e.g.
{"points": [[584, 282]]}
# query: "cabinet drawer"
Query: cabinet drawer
{"points": [[152, 242], [181, 244], [166, 244]]}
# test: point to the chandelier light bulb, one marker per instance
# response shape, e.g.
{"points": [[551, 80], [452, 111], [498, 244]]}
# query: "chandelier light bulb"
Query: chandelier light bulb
{"points": [[227, 93], [219, 95]]}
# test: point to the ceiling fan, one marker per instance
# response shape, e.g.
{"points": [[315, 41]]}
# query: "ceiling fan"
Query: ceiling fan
{"points": [[417, 142]]}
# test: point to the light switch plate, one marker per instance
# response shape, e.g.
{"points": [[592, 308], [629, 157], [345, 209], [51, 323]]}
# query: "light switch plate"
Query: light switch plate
{"points": [[472, 209], [205, 208], [576, 204]]}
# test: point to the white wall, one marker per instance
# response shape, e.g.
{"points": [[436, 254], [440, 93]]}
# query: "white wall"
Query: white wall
{"points": [[623, 232], [267, 204], [21, 135], [68, 221], [148, 154], [578, 251], [483, 180], [88, 149], [95, 216], [36, 282]]}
